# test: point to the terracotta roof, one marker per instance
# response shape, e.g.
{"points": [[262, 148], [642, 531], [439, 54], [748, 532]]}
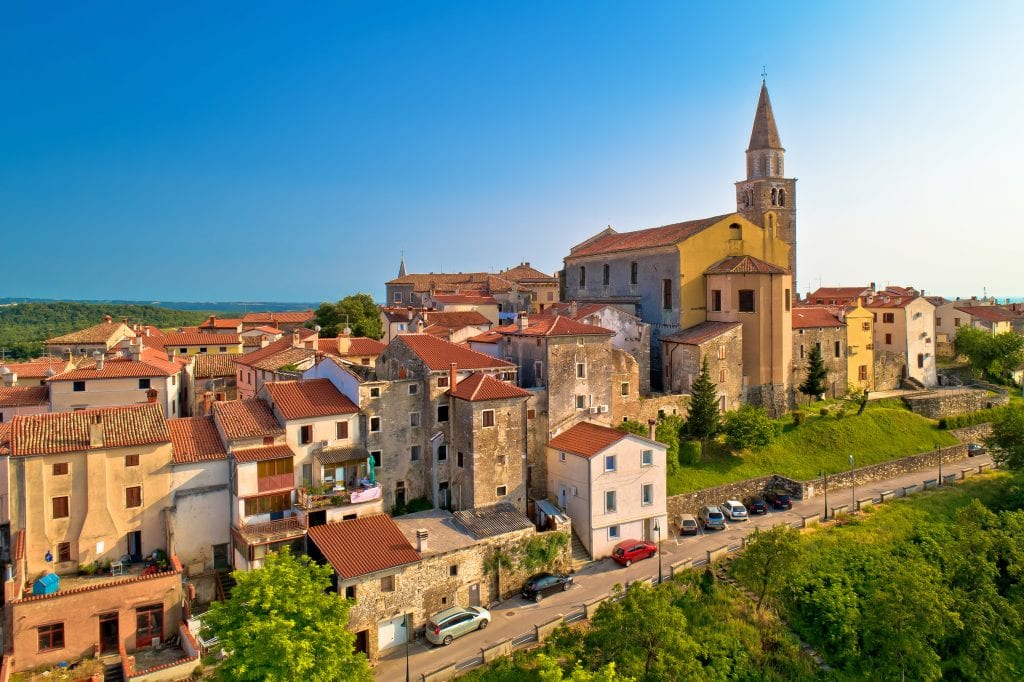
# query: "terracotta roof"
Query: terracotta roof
{"points": [[365, 545], [444, 281], [490, 336], [103, 332], [557, 325], [438, 354], [262, 453], [811, 316], [701, 333], [937, 300], [894, 290], [587, 439], [267, 351], [582, 310], [399, 314], [309, 398], [764, 134], [465, 299], [214, 322], [147, 330], [199, 339], [360, 345], [288, 356], [251, 418], [745, 265], [454, 319], [838, 294], [5, 438], [216, 365], [439, 331], [887, 301], [119, 368], [195, 439], [989, 313], [478, 387], [264, 329], [524, 273], [37, 368], [611, 241], [21, 396], [285, 316], [69, 431]]}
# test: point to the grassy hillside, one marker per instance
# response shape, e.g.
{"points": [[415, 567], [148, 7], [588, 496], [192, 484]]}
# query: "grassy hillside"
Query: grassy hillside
{"points": [[24, 326], [886, 430]]}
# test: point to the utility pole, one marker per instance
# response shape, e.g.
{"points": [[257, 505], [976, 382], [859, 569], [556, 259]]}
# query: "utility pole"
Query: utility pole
{"points": [[853, 487], [825, 476]]}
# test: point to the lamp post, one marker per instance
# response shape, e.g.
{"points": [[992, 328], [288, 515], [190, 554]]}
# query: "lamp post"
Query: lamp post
{"points": [[657, 529], [825, 476], [408, 635], [853, 488], [939, 453]]}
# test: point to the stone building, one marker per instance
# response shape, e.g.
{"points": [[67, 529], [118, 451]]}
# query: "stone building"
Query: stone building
{"points": [[721, 343], [817, 327], [102, 337], [905, 326]]}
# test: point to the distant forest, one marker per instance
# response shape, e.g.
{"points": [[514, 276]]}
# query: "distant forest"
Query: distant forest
{"points": [[24, 326]]}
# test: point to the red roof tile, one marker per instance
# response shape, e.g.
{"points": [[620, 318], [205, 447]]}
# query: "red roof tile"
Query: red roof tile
{"points": [[214, 322], [69, 431], [36, 369], [360, 345], [283, 316], [119, 368], [557, 325], [21, 396], [667, 235], [438, 354], [464, 299], [745, 265], [524, 273], [442, 281], [491, 336], [104, 332], [266, 330], [838, 294], [582, 310], [587, 439], [5, 438], [806, 317], [309, 398], [241, 419], [888, 301], [199, 339], [262, 453], [216, 365], [989, 313], [478, 387], [195, 439], [455, 319], [275, 355], [701, 333], [365, 545]]}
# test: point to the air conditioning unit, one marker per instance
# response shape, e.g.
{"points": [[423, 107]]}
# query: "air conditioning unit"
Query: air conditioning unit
{"points": [[595, 410], [602, 409]]}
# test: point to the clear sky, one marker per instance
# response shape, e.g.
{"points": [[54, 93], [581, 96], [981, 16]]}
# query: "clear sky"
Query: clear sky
{"points": [[290, 151]]}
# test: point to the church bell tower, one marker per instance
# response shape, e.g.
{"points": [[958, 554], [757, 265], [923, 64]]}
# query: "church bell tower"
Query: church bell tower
{"points": [[766, 197]]}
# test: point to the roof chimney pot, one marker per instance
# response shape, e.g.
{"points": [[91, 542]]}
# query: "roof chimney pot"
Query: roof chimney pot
{"points": [[96, 431], [422, 535]]}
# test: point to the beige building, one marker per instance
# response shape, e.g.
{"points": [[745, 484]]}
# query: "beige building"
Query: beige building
{"points": [[610, 483], [145, 378], [102, 337], [34, 372], [721, 343], [905, 327], [23, 400], [860, 347], [197, 343]]}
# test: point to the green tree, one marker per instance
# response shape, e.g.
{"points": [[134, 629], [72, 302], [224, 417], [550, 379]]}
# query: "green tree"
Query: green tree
{"points": [[281, 623], [1007, 439], [767, 559], [993, 356], [358, 311], [548, 670], [817, 374], [749, 427], [703, 421]]}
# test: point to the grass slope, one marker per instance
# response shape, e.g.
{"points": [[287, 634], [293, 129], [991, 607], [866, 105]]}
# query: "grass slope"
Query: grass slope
{"points": [[886, 430]]}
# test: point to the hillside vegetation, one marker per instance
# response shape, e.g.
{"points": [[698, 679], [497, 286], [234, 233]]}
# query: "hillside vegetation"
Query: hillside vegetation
{"points": [[24, 326], [887, 430]]}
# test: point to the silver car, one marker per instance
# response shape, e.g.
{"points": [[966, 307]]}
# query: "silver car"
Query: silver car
{"points": [[734, 510], [712, 517], [445, 626]]}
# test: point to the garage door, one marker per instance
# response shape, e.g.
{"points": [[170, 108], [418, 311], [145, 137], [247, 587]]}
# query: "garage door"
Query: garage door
{"points": [[391, 632]]}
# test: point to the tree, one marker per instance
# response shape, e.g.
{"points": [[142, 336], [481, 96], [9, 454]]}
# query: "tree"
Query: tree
{"points": [[1007, 439], [281, 623], [749, 427], [817, 374], [358, 311], [703, 420], [767, 559], [548, 670], [993, 356]]}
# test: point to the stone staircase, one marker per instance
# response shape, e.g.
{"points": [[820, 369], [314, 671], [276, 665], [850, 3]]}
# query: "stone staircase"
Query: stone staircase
{"points": [[225, 583], [112, 672], [580, 556]]}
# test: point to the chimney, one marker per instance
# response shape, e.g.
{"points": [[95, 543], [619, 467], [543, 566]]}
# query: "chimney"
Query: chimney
{"points": [[651, 428], [421, 539], [135, 349], [212, 321], [207, 402], [264, 341], [872, 286], [151, 395], [573, 308], [108, 318], [295, 339], [68, 355], [524, 320], [453, 376], [7, 376], [96, 431], [98, 356], [125, 320]]}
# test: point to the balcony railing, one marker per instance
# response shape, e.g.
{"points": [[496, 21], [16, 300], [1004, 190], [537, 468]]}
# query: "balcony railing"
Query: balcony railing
{"points": [[310, 499], [275, 482], [269, 531]]}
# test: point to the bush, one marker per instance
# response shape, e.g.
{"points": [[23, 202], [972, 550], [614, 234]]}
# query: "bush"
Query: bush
{"points": [[417, 504], [971, 418], [799, 417], [823, 412], [840, 413], [749, 427], [690, 452]]}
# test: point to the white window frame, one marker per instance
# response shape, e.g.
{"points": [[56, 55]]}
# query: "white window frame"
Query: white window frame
{"points": [[614, 506], [613, 460], [644, 487], [647, 458], [614, 533]]}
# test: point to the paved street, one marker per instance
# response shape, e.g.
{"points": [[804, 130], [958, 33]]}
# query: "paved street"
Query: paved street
{"points": [[516, 617]]}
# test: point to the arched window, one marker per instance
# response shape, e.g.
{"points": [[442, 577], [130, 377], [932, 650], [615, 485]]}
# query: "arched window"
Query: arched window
{"points": [[782, 197], [735, 231], [775, 197], [583, 277]]}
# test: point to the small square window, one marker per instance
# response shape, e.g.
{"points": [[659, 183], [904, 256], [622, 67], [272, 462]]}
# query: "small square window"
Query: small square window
{"points": [[377, 458], [183, 350], [442, 453], [488, 417], [61, 508], [716, 300], [561, 456], [374, 424], [202, 349], [133, 496], [63, 552], [143, 383], [375, 391], [387, 583], [414, 419], [865, 326], [131, 460], [581, 370], [413, 389], [624, 388], [501, 491], [442, 413], [613, 533], [341, 430], [531, 413], [306, 434], [453, 570], [609, 463], [610, 501], [60, 468], [746, 300], [51, 636], [350, 592], [442, 382], [78, 386], [647, 494], [647, 458], [414, 453], [581, 402]]}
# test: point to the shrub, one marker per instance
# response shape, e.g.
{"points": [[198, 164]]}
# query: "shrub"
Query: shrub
{"points": [[840, 413], [799, 417], [690, 452], [749, 427], [971, 418], [823, 412]]}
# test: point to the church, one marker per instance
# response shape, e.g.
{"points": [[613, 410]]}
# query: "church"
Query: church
{"points": [[718, 288]]}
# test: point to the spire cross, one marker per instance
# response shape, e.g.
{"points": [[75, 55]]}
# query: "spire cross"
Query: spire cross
{"points": [[764, 72]]}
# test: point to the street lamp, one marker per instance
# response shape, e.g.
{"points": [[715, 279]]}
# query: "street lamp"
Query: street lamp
{"points": [[657, 529], [408, 635], [825, 476], [939, 453], [853, 488]]}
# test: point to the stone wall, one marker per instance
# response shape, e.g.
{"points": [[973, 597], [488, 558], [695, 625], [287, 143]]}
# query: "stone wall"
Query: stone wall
{"points": [[952, 402], [652, 407], [484, 459], [972, 434], [885, 470], [827, 338], [690, 503]]}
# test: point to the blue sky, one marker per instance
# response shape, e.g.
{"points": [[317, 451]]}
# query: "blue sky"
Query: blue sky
{"points": [[290, 151]]}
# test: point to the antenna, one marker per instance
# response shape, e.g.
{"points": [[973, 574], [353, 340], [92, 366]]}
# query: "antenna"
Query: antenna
{"points": [[764, 73]]}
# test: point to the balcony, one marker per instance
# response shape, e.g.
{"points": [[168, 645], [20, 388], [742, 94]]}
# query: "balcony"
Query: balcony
{"points": [[275, 482], [317, 497], [271, 531]]}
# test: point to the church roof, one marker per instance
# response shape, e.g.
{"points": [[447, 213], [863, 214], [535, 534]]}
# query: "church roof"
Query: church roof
{"points": [[764, 135], [611, 241], [745, 265]]}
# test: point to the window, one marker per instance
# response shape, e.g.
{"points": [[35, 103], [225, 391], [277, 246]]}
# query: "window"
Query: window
{"points": [[735, 231], [613, 533], [666, 294], [453, 570], [624, 388], [920, 360], [721, 403], [862, 373], [78, 386], [865, 326], [788, 303], [646, 458], [746, 302], [501, 491], [487, 417], [60, 507], [938, 321], [274, 467], [375, 454], [442, 413], [223, 349], [63, 551], [581, 402], [956, 323], [775, 197], [888, 318], [721, 376], [460, 459], [609, 463], [183, 350], [716, 300], [583, 277], [801, 351], [397, 298], [131, 460], [306, 434], [143, 383], [581, 370], [375, 391], [721, 352], [350, 590], [647, 494], [888, 339], [60, 469], [51, 636], [268, 504], [374, 424], [610, 501], [561, 456], [442, 453], [341, 430], [606, 275], [413, 389], [202, 349], [133, 496], [634, 273], [414, 419], [442, 382], [387, 583], [531, 413], [414, 453]]}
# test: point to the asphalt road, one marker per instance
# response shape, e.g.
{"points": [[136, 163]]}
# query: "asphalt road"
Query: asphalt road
{"points": [[516, 617]]}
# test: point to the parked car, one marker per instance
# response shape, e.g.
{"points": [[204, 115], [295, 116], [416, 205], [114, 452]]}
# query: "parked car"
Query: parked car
{"points": [[734, 511], [628, 551], [974, 449], [688, 524], [546, 583], [712, 517], [756, 505], [451, 623], [779, 500]]}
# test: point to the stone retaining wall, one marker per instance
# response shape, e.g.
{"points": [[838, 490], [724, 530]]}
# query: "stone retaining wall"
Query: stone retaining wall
{"points": [[972, 434], [953, 402], [690, 503], [884, 470]]}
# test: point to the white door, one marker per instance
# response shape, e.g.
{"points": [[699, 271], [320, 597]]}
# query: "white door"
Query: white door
{"points": [[391, 632]]}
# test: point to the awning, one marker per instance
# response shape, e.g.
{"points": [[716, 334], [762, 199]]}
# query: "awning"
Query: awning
{"points": [[339, 454]]}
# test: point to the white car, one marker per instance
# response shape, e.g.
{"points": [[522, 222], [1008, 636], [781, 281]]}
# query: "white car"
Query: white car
{"points": [[734, 510]]}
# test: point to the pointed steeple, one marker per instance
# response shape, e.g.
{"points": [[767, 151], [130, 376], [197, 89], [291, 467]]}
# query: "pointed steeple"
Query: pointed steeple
{"points": [[764, 135], [401, 268]]}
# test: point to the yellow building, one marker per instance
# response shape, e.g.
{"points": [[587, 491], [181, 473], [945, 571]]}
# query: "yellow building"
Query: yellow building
{"points": [[196, 343], [860, 349]]}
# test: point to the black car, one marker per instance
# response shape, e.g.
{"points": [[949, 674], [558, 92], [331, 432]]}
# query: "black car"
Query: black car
{"points": [[779, 500], [546, 583], [974, 449], [756, 505]]}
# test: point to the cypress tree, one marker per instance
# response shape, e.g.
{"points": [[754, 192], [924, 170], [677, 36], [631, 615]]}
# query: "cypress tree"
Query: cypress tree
{"points": [[703, 420], [817, 373]]}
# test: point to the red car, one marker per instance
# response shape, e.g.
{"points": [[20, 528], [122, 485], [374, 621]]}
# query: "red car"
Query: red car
{"points": [[628, 551]]}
